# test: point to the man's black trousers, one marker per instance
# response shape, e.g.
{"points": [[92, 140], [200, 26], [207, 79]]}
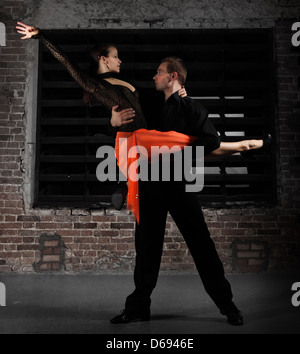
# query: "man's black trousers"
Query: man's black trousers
{"points": [[156, 199]]}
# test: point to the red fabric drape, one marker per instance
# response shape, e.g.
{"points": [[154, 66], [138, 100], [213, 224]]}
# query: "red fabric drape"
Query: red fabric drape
{"points": [[129, 142]]}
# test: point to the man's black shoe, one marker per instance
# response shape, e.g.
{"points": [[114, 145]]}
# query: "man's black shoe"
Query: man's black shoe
{"points": [[234, 316], [126, 317]]}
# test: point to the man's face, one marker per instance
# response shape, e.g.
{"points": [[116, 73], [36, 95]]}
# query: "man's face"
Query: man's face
{"points": [[162, 79]]}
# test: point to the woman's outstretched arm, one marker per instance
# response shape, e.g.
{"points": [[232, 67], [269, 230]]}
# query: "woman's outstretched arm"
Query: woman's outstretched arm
{"points": [[78, 75], [102, 90]]}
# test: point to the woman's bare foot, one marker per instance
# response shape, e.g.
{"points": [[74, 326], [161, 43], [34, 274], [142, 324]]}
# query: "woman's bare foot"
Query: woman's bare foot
{"points": [[252, 144]]}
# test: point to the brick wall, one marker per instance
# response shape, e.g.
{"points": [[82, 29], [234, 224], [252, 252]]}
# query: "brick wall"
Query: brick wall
{"points": [[35, 240]]}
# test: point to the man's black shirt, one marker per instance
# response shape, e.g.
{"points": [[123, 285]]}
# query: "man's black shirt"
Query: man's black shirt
{"points": [[183, 115]]}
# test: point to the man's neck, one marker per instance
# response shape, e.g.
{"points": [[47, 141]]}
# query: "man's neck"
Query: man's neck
{"points": [[170, 90]]}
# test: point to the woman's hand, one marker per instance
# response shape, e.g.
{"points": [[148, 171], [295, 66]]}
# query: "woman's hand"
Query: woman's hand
{"points": [[121, 118], [182, 92], [28, 31]]}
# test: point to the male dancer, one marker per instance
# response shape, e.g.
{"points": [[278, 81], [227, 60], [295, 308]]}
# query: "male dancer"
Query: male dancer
{"points": [[186, 116]]}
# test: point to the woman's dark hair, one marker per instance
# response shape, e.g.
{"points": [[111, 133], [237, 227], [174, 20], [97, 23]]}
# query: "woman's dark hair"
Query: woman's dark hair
{"points": [[96, 53]]}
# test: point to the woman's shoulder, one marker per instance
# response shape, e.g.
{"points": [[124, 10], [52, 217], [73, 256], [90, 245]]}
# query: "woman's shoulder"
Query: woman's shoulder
{"points": [[119, 82], [114, 79]]}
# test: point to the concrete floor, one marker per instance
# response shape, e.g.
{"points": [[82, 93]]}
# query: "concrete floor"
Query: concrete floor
{"points": [[84, 303]]}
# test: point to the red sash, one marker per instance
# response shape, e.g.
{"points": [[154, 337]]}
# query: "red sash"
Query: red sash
{"points": [[129, 142]]}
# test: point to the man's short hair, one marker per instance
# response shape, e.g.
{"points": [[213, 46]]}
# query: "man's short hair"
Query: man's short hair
{"points": [[176, 65]]}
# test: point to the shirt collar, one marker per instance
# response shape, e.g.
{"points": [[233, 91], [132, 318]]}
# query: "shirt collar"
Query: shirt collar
{"points": [[174, 97]]}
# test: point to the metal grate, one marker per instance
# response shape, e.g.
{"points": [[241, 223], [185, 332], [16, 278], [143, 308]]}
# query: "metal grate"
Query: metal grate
{"points": [[230, 71]]}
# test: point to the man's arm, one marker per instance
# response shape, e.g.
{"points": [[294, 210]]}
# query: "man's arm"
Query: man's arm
{"points": [[203, 128], [118, 119]]}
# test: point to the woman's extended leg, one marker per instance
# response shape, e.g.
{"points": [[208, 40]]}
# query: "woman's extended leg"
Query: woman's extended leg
{"points": [[229, 148]]}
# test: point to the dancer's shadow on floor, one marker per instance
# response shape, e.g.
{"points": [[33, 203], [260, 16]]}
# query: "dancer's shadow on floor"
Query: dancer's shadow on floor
{"points": [[185, 318]]}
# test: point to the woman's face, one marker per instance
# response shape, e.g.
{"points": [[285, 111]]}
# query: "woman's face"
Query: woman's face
{"points": [[112, 61]]}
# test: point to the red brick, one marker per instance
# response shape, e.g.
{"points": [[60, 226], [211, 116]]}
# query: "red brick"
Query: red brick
{"points": [[29, 254], [51, 258], [27, 247], [29, 233], [28, 218], [10, 247], [47, 251], [103, 239], [120, 226], [10, 226], [248, 254], [122, 246], [47, 226], [242, 246], [108, 247], [249, 225], [85, 240], [10, 218], [12, 254], [104, 225], [256, 262], [85, 226], [90, 254], [28, 225], [257, 247], [233, 232], [55, 266], [45, 266], [111, 233], [57, 251], [268, 232], [103, 218], [85, 246], [54, 243]]}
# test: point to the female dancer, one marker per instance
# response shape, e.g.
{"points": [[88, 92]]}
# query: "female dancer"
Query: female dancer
{"points": [[113, 93]]}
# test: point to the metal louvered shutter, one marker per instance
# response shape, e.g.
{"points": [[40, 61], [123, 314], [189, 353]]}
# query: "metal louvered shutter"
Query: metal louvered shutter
{"points": [[231, 71]]}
